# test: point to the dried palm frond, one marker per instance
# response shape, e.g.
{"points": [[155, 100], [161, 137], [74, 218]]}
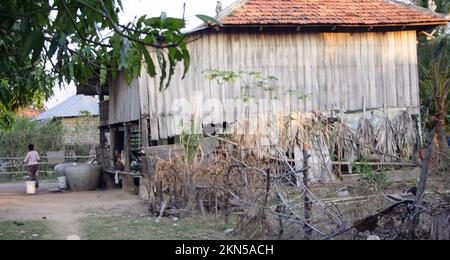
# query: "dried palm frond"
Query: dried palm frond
{"points": [[320, 161], [321, 130], [406, 133], [316, 139], [295, 131], [312, 132], [344, 143], [247, 136], [386, 141], [365, 136]]}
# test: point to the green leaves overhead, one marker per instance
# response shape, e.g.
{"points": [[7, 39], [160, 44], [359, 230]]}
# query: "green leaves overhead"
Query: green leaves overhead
{"points": [[124, 54], [103, 74], [32, 41], [149, 61], [209, 20], [186, 58], [82, 41], [164, 22], [163, 65]]}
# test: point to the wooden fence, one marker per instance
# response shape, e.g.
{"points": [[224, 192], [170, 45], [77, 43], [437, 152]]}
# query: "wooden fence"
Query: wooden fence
{"points": [[11, 167]]}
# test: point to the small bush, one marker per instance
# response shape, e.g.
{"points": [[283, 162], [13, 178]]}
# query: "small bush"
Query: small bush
{"points": [[374, 181], [45, 137]]}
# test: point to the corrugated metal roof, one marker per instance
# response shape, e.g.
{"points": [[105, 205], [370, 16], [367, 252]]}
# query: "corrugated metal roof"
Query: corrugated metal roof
{"points": [[71, 108]]}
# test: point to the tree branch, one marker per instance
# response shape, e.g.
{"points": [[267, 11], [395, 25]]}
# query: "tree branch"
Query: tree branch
{"points": [[117, 30], [74, 23]]}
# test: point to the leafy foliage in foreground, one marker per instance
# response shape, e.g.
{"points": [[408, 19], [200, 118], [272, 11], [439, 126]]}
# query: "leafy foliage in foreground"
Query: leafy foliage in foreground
{"points": [[82, 41]]}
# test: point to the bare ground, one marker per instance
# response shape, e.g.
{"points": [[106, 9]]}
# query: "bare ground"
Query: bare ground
{"points": [[64, 210]]}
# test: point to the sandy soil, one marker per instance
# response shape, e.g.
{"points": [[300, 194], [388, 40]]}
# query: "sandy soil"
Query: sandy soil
{"points": [[64, 210]]}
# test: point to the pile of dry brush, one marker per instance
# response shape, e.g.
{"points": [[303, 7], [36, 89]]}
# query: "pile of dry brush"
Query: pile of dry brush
{"points": [[263, 185]]}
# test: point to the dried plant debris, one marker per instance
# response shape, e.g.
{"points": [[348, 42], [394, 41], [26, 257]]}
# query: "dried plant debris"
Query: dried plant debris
{"points": [[344, 143], [406, 133], [311, 133], [254, 177], [365, 136], [386, 141], [295, 131]]}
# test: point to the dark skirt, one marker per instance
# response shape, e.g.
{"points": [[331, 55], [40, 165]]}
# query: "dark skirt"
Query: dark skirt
{"points": [[32, 170]]}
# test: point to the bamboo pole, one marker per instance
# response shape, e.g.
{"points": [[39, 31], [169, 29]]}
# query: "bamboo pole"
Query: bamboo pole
{"points": [[133, 174], [307, 201], [405, 164], [45, 157]]}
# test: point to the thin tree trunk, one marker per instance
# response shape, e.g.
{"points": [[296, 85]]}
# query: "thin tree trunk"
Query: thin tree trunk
{"points": [[424, 170], [443, 147], [421, 186], [307, 201]]}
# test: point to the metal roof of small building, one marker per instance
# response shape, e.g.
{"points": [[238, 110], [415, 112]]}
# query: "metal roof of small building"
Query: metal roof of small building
{"points": [[72, 107], [328, 12]]}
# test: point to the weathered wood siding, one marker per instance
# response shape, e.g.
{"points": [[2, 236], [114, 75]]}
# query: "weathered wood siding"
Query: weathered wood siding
{"points": [[104, 113], [337, 69], [123, 101]]}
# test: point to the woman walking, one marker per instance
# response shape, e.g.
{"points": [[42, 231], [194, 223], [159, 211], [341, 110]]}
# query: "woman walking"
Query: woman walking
{"points": [[32, 158]]}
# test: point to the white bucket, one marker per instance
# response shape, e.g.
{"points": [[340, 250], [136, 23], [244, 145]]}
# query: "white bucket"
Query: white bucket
{"points": [[31, 187], [62, 183]]}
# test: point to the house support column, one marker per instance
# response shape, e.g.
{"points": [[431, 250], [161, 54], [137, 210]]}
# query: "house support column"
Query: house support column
{"points": [[108, 178], [127, 180], [103, 140], [144, 131]]}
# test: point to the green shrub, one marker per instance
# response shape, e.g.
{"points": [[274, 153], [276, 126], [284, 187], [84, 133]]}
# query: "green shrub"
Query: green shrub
{"points": [[45, 137], [374, 181]]}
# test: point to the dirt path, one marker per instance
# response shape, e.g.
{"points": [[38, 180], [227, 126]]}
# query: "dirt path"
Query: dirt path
{"points": [[64, 210]]}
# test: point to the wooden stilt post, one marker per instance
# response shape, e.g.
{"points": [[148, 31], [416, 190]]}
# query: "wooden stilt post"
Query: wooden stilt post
{"points": [[126, 148], [145, 181], [112, 142], [127, 180], [112, 137], [103, 140], [144, 131]]}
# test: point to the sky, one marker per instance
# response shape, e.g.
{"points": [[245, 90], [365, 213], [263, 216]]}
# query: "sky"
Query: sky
{"points": [[136, 8]]}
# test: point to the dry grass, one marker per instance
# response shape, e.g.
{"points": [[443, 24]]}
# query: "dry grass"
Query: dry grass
{"points": [[26, 230], [132, 228]]}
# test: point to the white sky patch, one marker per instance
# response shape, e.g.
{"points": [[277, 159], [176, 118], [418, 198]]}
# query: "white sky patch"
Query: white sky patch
{"points": [[151, 8], [60, 94]]}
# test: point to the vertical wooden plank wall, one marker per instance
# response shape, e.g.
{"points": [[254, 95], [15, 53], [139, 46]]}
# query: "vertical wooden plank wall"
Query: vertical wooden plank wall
{"points": [[337, 69], [124, 101]]}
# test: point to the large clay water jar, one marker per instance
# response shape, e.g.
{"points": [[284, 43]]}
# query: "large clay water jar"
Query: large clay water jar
{"points": [[60, 169], [83, 177]]}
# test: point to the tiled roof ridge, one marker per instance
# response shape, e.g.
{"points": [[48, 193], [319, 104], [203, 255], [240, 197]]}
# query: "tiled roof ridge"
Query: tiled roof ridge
{"points": [[327, 12]]}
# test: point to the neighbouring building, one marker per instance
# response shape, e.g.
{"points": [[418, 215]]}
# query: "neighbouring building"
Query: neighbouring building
{"points": [[28, 112], [79, 116]]}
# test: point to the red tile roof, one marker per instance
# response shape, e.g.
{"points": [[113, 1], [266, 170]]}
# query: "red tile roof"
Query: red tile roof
{"points": [[28, 112], [328, 12]]}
